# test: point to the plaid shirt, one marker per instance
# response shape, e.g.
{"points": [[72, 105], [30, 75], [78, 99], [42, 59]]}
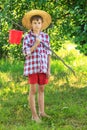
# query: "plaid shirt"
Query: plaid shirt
{"points": [[37, 61]]}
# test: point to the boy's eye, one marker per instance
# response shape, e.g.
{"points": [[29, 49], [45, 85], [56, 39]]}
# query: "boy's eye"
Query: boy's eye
{"points": [[35, 23]]}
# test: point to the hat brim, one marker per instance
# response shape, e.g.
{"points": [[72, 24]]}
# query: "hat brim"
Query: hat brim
{"points": [[46, 18]]}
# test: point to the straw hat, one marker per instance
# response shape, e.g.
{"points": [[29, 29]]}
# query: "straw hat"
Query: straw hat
{"points": [[46, 18]]}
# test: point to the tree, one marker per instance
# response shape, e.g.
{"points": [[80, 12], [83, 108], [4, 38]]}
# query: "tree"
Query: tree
{"points": [[69, 20]]}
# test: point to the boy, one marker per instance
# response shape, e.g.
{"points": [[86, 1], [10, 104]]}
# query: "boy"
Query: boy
{"points": [[37, 63]]}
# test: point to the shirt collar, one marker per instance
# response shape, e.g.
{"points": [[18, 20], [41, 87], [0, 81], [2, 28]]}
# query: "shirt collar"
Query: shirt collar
{"points": [[31, 32]]}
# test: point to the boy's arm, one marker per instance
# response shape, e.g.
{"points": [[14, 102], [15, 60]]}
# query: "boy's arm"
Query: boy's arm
{"points": [[48, 71], [35, 45], [27, 50], [47, 43]]}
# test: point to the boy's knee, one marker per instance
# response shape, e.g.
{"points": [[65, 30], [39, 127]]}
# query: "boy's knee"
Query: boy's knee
{"points": [[41, 88], [33, 89]]}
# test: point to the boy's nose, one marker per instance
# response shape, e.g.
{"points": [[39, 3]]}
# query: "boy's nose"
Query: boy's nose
{"points": [[37, 25]]}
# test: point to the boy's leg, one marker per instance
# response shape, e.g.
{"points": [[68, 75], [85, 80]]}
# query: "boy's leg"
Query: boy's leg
{"points": [[32, 101], [41, 101], [41, 98]]}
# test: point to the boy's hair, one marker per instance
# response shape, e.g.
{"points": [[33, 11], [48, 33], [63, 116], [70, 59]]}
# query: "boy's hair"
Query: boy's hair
{"points": [[36, 17]]}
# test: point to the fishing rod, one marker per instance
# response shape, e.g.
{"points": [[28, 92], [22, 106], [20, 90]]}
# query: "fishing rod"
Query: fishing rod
{"points": [[58, 57], [15, 23]]}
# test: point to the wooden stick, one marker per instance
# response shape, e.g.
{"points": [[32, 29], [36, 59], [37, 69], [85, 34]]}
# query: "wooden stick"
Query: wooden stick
{"points": [[15, 23], [58, 57]]}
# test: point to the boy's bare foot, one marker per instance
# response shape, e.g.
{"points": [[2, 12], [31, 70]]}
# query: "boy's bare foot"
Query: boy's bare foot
{"points": [[44, 115], [36, 119]]}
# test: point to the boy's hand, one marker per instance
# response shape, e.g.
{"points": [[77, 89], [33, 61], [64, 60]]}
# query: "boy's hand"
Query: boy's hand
{"points": [[35, 45], [37, 41], [48, 74]]}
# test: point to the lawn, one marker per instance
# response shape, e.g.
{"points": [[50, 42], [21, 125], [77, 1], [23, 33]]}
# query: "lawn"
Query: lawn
{"points": [[65, 96]]}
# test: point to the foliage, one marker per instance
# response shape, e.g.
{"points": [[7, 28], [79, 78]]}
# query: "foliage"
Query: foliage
{"points": [[69, 20]]}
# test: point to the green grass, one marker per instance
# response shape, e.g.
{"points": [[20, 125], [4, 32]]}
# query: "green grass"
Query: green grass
{"points": [[65, 96]]}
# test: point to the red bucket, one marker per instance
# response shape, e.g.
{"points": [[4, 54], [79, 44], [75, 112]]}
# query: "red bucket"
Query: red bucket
{"points": [[15, 36]]}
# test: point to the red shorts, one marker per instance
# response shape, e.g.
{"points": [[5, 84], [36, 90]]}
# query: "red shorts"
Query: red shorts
{"points": [[38, 78]]}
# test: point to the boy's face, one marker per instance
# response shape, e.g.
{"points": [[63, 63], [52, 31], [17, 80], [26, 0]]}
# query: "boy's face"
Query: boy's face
{"points": [[36, 25]]}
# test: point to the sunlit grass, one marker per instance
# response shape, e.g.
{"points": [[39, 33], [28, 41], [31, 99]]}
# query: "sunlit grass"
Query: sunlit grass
{"points": [[74, 59], [65, 95]]}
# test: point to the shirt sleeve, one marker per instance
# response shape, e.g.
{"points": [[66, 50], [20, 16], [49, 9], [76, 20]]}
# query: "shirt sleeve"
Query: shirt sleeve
{"points": [[48, 51], [26, 47]]}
